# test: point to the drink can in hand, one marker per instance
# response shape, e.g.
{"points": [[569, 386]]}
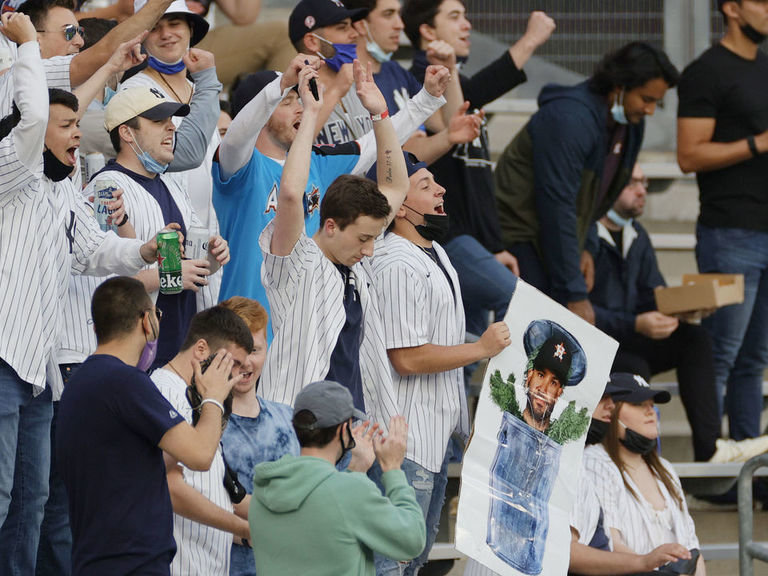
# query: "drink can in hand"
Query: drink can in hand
{"points": [[196, 242], [93, 163], [102, 195], [169, 262]]}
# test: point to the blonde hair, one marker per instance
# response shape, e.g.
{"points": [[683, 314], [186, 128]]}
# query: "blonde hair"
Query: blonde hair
{"points": [[611, 443], [252, 313]]}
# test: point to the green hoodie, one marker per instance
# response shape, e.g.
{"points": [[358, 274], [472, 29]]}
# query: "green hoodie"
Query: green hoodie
{"points": [[306, 517]]}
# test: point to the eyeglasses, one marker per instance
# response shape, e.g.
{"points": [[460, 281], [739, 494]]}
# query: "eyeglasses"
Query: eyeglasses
{"points": [[639, 181], [69, 31]]}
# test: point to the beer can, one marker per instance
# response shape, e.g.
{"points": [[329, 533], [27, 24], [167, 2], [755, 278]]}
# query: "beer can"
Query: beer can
{"points": [[169, 262], [93, 163], [196, 242], [102, 194]]}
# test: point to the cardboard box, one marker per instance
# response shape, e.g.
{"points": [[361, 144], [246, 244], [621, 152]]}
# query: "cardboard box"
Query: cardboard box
{"points": [[701, 292]]}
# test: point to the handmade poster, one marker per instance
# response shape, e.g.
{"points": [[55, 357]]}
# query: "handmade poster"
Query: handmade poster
{"points": [[520, 469]]}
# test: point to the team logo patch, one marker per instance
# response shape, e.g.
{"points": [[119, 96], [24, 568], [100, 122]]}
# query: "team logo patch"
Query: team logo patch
{"points": [[271, 200], [338, 3], [559, 352], [157, 94], [641, 381], [313, 199], [309, 21], [172, 413]]}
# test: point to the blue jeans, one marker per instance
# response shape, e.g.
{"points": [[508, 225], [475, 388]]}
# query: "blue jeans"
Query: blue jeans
{"points": [[739, 332], [430, 494], [486, 285], [54, 553], [25, 454]]}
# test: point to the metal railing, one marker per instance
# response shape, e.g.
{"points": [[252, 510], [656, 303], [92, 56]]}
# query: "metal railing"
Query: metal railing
{"points": [[748, 548]]}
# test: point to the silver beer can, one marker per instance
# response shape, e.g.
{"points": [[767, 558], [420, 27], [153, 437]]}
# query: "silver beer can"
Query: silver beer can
{"points": [[196, 243], [93, 163], [102, 194]]}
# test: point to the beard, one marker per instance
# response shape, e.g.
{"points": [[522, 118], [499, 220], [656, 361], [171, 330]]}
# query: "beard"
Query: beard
{"points": [[540, 415]]}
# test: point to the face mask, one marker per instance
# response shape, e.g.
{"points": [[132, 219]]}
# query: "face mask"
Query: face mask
{"points": [[376, 51], [108, 94], [617, 110], [637, 443], [753, 35], [345, 54], [614, 217], [597, 431], [165, 67], [435, 227], [150, 164], [346, 448], [149, 352], [54, 168]]}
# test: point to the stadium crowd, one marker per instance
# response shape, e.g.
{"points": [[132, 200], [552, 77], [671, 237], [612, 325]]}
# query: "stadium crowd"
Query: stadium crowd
{"points": [[345, 232]]}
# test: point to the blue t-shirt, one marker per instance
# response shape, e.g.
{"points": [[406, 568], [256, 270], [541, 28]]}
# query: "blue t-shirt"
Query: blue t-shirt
{"points": [[111, 419], [397, 85], [178, 309], [250, 441], [247, 202]]}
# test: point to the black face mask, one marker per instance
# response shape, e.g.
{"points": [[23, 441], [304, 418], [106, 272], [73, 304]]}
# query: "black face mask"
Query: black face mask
{"points": [[346, 448], [54, 168], [638, 443], [752, 34], [435, 227], [597, 431]]}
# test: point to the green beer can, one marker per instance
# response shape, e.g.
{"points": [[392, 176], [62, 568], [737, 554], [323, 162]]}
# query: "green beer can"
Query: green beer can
{"points": [[169, 262]]}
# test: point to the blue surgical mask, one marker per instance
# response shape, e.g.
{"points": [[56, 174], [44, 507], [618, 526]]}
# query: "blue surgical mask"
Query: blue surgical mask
{"points": [[345, 54], [614, 217], [150, 164], [108, 94], [166, 67], [376, 51], [617, 110]]}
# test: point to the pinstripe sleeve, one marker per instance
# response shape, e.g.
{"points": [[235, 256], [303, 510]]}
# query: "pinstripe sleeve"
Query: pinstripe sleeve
{"points": [[402, 304]]}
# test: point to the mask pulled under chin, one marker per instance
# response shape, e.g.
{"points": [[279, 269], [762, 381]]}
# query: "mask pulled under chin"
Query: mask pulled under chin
{"points": [[614, 217], [597, 431], [637, 443], [753, 35], [54, 168], [167, 68], [435, 227]]}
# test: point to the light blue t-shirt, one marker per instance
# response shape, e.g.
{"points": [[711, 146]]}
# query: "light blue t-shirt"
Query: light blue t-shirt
{"points": [[247, 202]]}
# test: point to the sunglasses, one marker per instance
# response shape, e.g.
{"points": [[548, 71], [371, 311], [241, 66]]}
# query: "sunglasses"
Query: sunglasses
{"points": [[69, 31]]}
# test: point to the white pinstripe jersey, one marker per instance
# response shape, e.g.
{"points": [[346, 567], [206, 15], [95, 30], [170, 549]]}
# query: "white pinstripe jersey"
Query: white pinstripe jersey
{"points": [[201, 550], [200, 188], [642, 528], [306, 298], [78, 340], [44, 234], [418, 307]]}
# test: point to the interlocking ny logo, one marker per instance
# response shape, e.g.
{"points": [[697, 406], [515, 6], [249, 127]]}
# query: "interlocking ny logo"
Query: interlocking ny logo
{"points": [[157, 93]]}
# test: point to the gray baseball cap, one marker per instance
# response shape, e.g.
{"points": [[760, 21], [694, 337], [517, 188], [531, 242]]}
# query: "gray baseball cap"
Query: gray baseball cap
{"points": [[329, 402]]}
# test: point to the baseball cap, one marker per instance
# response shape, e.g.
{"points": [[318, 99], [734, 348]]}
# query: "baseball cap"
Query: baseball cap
{"points": [[247, 87], [615, 391], [309, 15], [142, 101], [636, 389], [412, 165], [329, 402], [198, 24]]}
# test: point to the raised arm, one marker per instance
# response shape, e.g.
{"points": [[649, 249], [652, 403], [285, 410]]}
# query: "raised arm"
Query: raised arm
{"points": [[289, 219], [539, 29], [391, 172], [87, 62], [127, 55]]}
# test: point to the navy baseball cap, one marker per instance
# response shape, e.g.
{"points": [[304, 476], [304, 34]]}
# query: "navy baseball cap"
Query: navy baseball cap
{"points": [[636, 389], [309, 15], [247, 87], [615, 391], [412, 164], [329, 402]]}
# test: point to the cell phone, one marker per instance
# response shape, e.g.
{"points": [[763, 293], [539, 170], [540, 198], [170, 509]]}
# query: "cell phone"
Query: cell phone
{"points": [[313, 85], [683, 566]]}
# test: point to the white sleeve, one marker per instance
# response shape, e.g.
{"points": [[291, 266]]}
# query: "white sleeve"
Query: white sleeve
{"points": [[237, 145], [31, 97], [406, 122], [57, 71]]}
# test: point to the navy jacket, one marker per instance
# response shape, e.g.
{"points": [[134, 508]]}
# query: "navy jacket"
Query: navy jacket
{"points": [[624, 283]]}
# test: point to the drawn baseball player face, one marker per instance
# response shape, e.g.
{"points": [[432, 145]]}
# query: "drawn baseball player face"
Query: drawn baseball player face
{"points": [[544, 389]]}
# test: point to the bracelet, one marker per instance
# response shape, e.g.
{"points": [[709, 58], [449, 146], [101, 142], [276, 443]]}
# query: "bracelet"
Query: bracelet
{"points": [[752, 146], [124, 221], [377, 117], [214, 402]]}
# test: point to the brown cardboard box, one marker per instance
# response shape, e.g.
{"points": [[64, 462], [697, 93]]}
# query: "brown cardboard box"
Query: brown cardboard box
{"points": [[701, 292]]}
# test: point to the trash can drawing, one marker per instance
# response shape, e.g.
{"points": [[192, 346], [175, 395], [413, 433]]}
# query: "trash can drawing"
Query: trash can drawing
{"points": [[522, 478]]}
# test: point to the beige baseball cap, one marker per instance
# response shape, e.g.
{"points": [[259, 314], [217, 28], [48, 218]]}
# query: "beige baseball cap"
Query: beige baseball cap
{"points": [[141, 101]]}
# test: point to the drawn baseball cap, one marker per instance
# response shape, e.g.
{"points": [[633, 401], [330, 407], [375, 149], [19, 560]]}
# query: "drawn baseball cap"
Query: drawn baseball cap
{"points": [[142, 101], [329, 402], [309, 15]]}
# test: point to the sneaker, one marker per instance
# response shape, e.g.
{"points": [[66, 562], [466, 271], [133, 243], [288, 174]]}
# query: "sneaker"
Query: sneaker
{"points": [[739, 451]]}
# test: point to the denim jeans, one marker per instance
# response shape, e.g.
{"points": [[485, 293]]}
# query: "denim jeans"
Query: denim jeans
{"points": [[25, 453], [739, 332], [54, 553], [486, 285], [430, 494]]}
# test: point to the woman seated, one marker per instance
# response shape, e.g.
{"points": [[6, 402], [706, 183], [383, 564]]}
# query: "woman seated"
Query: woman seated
{"points": [[639, 492]]}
